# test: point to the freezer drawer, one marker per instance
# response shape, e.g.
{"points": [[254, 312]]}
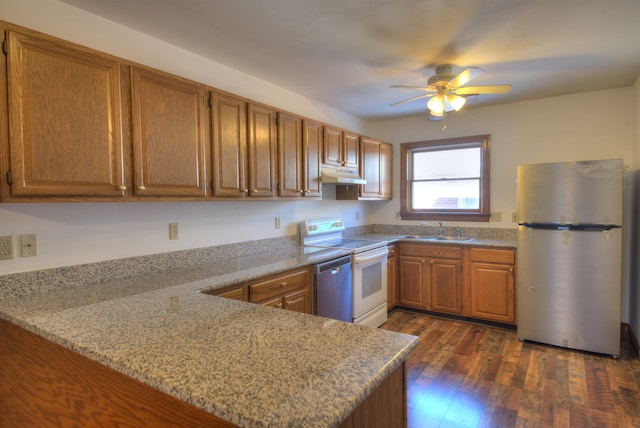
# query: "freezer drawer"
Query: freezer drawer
{"points": [[569, 285]]}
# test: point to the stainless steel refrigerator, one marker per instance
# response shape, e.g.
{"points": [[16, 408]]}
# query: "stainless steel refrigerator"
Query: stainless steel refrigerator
{"points": [[569, 257]]}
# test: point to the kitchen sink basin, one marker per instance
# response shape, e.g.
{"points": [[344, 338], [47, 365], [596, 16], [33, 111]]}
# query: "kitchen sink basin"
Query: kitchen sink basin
{"points": [[438, 238], [452, 238]]}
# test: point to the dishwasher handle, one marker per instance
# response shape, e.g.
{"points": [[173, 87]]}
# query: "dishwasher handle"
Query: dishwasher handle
{"points": [[334, 266]]}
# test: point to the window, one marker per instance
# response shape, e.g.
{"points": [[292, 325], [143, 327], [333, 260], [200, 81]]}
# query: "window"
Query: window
{"points": [[445, 179]]}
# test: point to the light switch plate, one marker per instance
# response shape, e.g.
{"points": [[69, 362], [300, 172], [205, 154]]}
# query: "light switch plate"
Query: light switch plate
{"points": [[173, 231], [29, 245]]}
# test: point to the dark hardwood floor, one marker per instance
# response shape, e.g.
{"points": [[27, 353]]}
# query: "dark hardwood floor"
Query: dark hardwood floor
{"points": [[468, 375]]}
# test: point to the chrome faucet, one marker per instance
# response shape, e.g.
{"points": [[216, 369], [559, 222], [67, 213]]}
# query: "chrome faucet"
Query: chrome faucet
{"points": [[458, 231], [441, 230]]}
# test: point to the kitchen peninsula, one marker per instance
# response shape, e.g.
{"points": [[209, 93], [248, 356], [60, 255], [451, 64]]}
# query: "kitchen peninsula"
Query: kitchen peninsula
{"points": [[200, 355]]}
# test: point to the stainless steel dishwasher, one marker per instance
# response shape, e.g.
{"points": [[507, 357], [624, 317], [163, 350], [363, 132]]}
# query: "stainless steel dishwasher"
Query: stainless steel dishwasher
{"points": [[334, 289]]}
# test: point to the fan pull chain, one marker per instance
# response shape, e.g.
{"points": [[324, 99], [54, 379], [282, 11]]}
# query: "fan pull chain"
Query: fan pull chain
{"points": [[444, 120]]}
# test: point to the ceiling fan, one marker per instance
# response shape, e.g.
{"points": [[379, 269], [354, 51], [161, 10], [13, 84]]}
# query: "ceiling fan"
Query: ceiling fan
{"points": [[447, 91]]}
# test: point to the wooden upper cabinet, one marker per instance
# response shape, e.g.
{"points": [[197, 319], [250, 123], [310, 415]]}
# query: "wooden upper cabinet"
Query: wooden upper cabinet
{"points": [[312, 157], [229, 146], [386, 172], [350, 152], [290, 155], [65, 129], [262, 144], [375, 167], [370, 167], [340, 147], [169, 134]]}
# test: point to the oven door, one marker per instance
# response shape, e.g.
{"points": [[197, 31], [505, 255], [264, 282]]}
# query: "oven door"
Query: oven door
{"points": [[369, 281]]}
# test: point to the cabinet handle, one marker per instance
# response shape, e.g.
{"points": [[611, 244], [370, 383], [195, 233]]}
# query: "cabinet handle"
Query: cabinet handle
{"points": [[289, 302], [279, 305], [283, 283], [142, 188], [122, 187]]}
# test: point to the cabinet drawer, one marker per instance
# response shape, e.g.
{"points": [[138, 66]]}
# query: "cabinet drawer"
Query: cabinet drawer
{"points": [[428, 250], [278, 285], [493, 256]]}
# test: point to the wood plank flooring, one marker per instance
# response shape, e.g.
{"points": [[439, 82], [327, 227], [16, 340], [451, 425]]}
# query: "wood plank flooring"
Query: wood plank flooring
{"points": [[469, 375]]}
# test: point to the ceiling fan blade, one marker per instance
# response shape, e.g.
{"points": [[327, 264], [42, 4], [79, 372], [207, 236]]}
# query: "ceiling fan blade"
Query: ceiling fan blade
{"points": [[465, 76], [419, 97], [422, 88], [475, 90]]}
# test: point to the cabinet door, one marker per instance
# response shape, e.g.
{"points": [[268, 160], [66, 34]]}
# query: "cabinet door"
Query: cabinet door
{"points": [[168, 134], [446, 285], [312, 157], [229, 131], [289, 156], [350, 152], [65, 128], [299, 301], [392, 286], [386, 158], [492, 292], [370, 167], [262, 142], [332, 146], [413, 282]]}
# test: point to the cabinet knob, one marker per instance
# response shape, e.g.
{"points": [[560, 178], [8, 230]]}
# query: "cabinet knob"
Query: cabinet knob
{"points": [[511, 270], [289, 302], [343, 163], [244, 190], [279, 305], [254, 191], [430, 261], [142, 188], [302, 192], [283, 283], [122, 187], [307, 191], [423, 260]]}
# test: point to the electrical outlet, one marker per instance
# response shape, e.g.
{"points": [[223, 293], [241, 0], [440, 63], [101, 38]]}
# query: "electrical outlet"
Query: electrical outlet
{"points": [[173, 231], [6, 247], [357, 215], [29, 245], [514, 216], [496, 215], [277, 222]]}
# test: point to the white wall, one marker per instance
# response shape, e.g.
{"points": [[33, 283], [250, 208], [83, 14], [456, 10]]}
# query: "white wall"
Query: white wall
{"points": [[593, 125]]}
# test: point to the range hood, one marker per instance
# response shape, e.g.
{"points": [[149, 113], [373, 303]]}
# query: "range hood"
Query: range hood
{"points": [[341, 176]]}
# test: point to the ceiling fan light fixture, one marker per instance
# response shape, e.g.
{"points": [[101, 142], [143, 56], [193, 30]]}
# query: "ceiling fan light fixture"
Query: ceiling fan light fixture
{"points": [[436, 105], [456, 101]]}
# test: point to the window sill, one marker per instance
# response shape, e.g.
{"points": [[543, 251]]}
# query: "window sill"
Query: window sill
{"points": [[446, 216]]}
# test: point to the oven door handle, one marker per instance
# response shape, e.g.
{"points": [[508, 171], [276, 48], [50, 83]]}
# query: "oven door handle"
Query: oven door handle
{"points": [[370, 255]]}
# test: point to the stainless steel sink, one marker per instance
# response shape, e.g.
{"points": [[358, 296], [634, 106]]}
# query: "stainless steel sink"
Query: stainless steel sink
{"points": [[453, 238], [421, 237], [438, 238]]}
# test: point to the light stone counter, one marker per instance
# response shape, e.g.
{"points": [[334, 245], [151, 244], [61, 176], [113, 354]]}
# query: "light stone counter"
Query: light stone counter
{"points": [[251, 365]]}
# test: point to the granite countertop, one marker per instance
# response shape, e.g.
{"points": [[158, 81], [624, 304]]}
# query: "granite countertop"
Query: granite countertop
{"points": [[476, 242], [252, 365]]}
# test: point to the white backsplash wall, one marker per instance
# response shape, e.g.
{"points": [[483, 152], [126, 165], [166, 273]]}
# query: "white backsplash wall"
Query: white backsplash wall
{"points": [[70, 234]]}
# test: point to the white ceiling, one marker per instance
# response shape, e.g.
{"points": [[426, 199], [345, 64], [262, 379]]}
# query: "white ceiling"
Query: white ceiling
{"points": [[346, 53]]}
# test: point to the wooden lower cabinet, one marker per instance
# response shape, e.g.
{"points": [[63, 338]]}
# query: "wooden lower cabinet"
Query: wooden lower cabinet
{"points": [[431, 277], [471, 282], [392, 278], [492, 290], [290, 290]]}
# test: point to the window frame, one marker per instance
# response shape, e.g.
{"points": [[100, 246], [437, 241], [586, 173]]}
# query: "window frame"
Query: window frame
{"points": [[482, 214]]}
